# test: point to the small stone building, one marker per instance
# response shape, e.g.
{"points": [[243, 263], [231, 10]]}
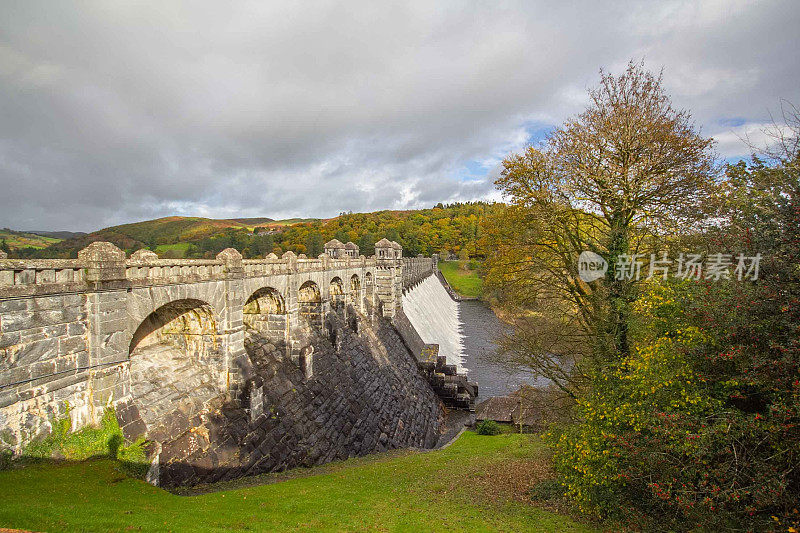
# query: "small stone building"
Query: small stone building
{"points": [[351, 249], [335, 249], [386, 249]]}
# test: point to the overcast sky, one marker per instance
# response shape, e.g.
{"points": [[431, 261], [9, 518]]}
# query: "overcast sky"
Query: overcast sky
{"points": [[113, 113]]}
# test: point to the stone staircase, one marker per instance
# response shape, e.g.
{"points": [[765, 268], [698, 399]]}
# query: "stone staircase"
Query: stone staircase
{"points": [[454, 389]]}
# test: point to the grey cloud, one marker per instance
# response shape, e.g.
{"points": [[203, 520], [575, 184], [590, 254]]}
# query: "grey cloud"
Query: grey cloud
{"points": [[112, 113]]}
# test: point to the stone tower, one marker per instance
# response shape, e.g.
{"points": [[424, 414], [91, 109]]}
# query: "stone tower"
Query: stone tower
{"points": [[389, 276]]}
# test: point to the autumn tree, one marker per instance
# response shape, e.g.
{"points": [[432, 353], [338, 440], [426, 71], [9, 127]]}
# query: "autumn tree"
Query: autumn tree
{"points": [[616, 180]]}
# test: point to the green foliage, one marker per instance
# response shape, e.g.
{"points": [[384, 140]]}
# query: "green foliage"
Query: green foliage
{"points": [[132, 457], [699, 426], [103, 440], [62, 443], [487, 427], [450, 228], [314, 244]]}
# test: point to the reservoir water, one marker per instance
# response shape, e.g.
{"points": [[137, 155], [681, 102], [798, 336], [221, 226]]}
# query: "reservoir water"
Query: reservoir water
{"points": [[466, 333], [481, 328]]}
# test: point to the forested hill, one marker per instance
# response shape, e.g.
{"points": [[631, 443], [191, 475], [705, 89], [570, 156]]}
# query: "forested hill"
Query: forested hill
{"points": [[443, 229]]}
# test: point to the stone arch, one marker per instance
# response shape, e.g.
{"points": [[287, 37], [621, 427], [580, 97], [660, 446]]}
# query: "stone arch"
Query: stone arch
{"points": [[355, 290], [309, 301], [144, 301], [337, 294], [369, 286], [265, 313], [176, 368], [186, 323]]}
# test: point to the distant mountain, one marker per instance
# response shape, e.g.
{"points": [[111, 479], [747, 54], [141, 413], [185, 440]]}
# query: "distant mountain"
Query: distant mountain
{"points": [[151, 233], [59, 234], [253, 221]]}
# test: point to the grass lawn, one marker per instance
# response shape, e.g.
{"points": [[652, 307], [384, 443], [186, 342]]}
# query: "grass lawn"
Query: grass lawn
{"points": [[477, 484], [180, 247], [465, 281]]}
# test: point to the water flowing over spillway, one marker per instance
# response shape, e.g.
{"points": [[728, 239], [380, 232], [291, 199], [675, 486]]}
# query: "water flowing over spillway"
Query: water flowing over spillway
{"points": [[436, 317]]}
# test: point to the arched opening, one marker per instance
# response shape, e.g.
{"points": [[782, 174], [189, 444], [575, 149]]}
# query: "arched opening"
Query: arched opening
{"points": [[369, 289], [176, 366], [355, 291], [337, 295], [309, 302], [265, 314]]}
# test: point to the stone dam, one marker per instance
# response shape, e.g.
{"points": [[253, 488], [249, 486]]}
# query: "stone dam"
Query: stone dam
{"points": [[226, 367]]}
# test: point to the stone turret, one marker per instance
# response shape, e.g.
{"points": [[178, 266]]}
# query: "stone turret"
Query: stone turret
{"points": [[351, 249], [335, 249], [384, 249]]}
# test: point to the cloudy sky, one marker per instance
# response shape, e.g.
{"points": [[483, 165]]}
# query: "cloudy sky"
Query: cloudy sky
{"points": [[114, 112]]}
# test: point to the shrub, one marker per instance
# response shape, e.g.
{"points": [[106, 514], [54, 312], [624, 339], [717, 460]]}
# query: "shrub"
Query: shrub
{"points": [[686, 431], [488, 427]]}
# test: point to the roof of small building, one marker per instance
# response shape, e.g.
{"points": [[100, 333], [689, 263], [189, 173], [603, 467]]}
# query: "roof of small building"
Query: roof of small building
{"points": [[497, 408], [383, 243], [351, 246], [334, 243], [396, 245]]}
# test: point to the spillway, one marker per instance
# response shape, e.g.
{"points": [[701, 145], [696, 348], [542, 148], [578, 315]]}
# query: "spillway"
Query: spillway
{"points": [[436, 317]]}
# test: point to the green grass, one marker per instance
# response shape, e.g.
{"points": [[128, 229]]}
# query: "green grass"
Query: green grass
{"points": [[180, 247], [446, 490], [463, 277]]}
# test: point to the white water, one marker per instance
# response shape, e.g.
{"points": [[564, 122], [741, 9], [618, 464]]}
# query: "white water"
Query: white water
{"points": [[436, 317]]}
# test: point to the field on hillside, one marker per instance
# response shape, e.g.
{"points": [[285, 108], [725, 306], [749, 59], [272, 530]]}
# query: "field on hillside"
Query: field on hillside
{"points": [[478, 483], [463, 277], [18, 239]]}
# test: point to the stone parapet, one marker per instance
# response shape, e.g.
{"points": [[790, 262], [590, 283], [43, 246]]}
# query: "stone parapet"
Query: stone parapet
{"points": [[416, 269], [104, 263]]}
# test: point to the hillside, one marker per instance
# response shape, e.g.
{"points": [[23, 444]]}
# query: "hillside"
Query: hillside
{"points": [[257, 221], [61, 235], [150, 234], [443, 229], [22, 239]]}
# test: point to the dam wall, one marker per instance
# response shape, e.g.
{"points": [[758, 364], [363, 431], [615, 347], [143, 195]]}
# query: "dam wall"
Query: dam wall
{"points": [[434, 315]]}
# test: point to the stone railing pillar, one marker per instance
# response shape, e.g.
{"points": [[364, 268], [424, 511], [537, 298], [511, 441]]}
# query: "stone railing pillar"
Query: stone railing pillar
{"points": [[107, 315], [293, 346], [232, 322], [105, 265]]}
